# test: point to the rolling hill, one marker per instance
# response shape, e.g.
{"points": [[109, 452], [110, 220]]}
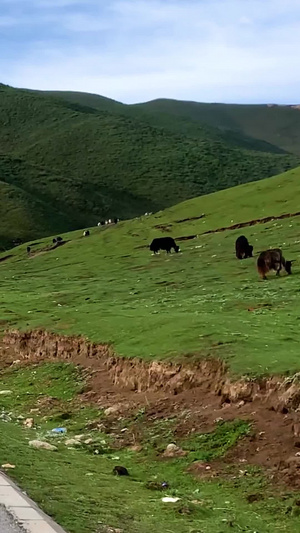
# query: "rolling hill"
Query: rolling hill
{"points": [[278, 125], [201, 308], [200, 302], [178, 117], [85, 158], [265, 127]]}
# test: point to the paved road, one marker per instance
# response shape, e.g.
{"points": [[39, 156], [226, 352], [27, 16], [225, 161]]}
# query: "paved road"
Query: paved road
{"points": [[7, 524]]}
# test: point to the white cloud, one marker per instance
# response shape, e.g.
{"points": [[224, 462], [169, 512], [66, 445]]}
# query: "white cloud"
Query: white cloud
{"points": [[133, 50]]}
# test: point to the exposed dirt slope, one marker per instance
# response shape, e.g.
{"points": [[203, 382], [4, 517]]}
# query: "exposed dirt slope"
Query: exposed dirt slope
{"points": [[200, 394]]}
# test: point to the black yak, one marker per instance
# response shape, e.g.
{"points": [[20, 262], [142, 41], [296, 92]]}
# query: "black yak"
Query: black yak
{"points": [[163, 243], [242, 248]]}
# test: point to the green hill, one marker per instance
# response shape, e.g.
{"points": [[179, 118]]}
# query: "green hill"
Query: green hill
{"points": [[200, 302], [177, 122], [25, 211], [278, 125], [83, 163], [265, 127]]}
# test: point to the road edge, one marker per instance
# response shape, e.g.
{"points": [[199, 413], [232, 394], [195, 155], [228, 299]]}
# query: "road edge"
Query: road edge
{"points": [[24, 510]]}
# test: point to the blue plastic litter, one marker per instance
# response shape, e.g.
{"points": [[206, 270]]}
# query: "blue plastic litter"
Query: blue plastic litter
{"points": [[59, 430]]}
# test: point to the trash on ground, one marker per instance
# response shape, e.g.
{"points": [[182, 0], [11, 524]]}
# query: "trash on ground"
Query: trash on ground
{"points": [[169, 499]]}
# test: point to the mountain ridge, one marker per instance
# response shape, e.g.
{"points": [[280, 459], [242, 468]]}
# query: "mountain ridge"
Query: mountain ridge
{"points": [[84, 164]]}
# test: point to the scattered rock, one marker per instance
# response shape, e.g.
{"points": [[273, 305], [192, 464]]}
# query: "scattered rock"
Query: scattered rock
{"points": [[7, 466], [108, 529], [296, 430], [251, 498], [294, 460], [120, 471], [28, 423], [79, 437], [218, 420], [136, 448], [73, 442], [185, 510], [113, 410], [5, 392], [88, 441], [16, 362], [172, 450], [41, 445]]}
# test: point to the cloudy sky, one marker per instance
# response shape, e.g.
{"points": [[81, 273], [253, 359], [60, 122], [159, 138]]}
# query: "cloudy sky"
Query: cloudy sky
{"points": [[137, 50]]}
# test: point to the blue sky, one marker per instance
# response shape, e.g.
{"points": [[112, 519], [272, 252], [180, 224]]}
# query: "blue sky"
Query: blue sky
{"points": [[136, 50]]}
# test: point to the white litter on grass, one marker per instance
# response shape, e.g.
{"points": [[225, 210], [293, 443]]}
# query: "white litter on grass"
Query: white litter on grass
{"points": [[169, 499]]}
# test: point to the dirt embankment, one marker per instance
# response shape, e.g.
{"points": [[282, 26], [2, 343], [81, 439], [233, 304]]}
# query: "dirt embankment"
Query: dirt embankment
{"points": [[253, 222], [196, 394], [137, 375]]}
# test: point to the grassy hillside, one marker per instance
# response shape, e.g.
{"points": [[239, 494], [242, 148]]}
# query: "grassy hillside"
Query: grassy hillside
{"points": [[91, 164], [93, 101], [274, 124], [177, 122], [186, 306], [202, 301], [25, 210]]}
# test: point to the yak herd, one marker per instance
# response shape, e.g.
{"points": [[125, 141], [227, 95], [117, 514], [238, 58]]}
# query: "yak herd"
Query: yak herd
{"points": [[268, 260]]}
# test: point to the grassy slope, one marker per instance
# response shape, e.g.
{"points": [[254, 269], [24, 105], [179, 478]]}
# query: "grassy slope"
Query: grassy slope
{"points": [[25, 211], [278, 125], [90, 164], [111, 289]]}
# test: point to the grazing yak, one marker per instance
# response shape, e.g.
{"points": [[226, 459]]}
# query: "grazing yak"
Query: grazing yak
{"points": [[57, 239], [86, 233], [163, 243], [272, 260], [242, 248]]}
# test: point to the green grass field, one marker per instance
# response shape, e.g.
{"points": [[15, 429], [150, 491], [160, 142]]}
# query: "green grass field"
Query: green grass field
{"points": [[200, 302]]}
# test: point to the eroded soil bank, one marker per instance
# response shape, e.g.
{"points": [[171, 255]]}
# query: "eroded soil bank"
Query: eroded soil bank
{"points": [[141, 376], [198, 393]]}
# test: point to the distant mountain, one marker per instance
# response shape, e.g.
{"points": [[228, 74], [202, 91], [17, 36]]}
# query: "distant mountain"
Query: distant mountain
{"points": [[67, 160], [278, 125]]}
